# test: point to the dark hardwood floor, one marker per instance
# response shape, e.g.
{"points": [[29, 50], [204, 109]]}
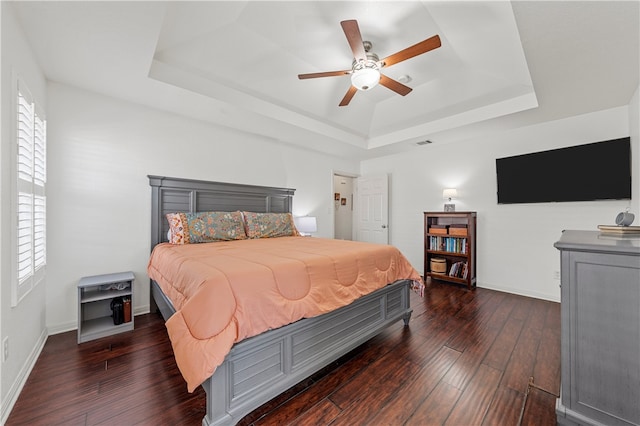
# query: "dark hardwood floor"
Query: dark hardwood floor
{"points": [[476, 357]]}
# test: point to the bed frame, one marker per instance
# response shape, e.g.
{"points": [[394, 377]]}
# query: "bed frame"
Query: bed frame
{"points": [[261, 367]]}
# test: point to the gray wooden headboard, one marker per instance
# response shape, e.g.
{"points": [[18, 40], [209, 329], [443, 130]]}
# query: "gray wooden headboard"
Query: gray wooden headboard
{"points": [[187, 195]]}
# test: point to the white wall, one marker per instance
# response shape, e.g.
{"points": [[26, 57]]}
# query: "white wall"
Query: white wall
{"points": [[343, 214], [634, 131], [100, 153], [515, 250], [23, 325]]}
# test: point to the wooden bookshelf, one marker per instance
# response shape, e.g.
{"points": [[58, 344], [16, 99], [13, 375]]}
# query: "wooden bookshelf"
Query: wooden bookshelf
{"points": [[450, 236]]}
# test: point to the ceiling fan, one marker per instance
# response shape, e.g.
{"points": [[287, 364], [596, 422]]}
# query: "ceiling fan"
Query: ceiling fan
{"points": [[366, 66]]}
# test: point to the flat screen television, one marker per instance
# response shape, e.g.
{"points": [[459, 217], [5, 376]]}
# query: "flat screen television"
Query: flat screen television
{"points": [[594, 171]]}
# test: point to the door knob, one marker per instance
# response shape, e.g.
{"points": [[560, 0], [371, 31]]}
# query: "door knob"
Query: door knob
{"points": [[384, 226]]}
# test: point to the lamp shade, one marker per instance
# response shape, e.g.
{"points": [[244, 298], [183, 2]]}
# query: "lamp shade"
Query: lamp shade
{"points": [[449, 193], [365, 78], [306, 224]]}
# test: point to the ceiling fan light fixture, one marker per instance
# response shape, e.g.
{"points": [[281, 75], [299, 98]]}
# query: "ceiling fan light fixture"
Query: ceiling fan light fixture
{"points": [[365, 76], [366, 66]]}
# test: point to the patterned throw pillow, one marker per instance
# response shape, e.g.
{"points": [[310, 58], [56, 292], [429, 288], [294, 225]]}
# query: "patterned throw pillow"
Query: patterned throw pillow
{"points": [[176, 228], [205, 227], [268, 225]]}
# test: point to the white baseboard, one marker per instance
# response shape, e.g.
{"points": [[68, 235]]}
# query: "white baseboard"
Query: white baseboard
{"points": [[62, 328], [519, 292], [141, 310], [21, 379], [70, 326]]}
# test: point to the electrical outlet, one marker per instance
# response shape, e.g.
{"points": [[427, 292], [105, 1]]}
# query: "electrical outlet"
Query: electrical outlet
{"points": [[556, 275], [5, 349]]}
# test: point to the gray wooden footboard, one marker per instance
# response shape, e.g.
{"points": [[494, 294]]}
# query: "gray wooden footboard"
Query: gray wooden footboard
{"points": [[261, 367]]}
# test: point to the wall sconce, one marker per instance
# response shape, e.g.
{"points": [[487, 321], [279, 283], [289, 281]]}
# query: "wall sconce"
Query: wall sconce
{"points": [[449, 194], [306, 225]]}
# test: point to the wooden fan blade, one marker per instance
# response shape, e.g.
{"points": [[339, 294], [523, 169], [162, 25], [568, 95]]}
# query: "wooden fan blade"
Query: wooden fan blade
{"points": [[394, 85], [323, 74], [415, 50], [352, 31], [347, 98]]}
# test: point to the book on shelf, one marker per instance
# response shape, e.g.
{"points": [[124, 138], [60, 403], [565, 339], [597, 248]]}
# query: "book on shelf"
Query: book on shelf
{"points": [[458, 225], [459, 270], [452, 270], [449, 244]]}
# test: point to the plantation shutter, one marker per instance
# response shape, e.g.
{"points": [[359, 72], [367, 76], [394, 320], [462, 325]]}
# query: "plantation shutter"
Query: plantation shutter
{"points": [[30, 191], [39, 181]]}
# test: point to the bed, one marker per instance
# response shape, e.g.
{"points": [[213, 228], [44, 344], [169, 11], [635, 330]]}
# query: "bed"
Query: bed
{"points": [[258, 368]]}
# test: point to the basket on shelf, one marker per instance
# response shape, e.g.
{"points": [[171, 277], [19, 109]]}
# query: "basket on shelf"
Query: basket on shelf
{"points": [[438, 265]]}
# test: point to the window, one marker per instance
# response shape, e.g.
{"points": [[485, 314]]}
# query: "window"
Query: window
{"points": [[31, 202]]}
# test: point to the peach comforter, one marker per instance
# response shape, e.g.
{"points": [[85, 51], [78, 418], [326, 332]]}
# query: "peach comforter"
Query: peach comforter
{"points": [[224, 292]]}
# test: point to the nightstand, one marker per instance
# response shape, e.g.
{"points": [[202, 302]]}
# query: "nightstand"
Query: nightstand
{"points": [[97, 295]]}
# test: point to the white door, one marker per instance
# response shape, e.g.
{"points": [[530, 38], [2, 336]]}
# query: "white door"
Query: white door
{"points": [[372, 193]]}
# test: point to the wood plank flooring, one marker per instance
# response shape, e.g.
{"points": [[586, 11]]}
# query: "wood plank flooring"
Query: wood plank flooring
{"points": [[477, 357]]}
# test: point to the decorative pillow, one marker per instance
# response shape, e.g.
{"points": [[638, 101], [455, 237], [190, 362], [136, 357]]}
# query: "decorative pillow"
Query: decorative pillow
{"points": [[205, 227], [267, 225], [176, 228]]}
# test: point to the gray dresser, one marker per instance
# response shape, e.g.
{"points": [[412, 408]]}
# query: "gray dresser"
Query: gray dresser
{"points": [[600, 276]]}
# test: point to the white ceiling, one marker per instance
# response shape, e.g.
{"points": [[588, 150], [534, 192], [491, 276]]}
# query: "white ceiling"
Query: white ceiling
{"points": [[502, 64]]}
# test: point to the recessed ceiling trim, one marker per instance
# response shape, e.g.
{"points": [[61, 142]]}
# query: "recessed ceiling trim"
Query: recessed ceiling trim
{"points": [[180, 78], [499, 109]]}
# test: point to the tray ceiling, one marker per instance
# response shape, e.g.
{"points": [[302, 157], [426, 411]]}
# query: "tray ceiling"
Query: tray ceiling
{"points": [[236, 63]]}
